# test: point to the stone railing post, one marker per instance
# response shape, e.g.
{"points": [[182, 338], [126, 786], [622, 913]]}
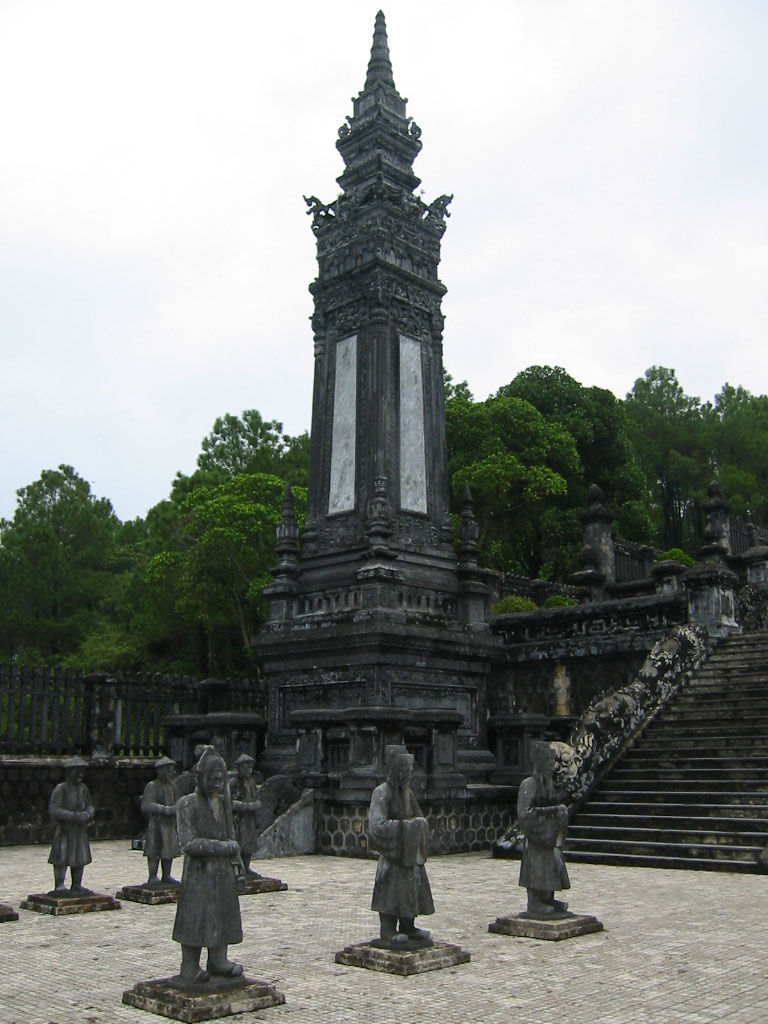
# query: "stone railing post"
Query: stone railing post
{"points": [[100, 707]]}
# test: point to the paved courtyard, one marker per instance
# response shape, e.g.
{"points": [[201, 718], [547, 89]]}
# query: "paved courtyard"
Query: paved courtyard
{"points": [[678, 947]]}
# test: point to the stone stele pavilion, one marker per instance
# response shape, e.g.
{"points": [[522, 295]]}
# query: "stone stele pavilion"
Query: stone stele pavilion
{"points": [[377, 630]]}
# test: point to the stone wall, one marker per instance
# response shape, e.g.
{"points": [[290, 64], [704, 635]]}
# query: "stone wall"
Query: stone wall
{"points": [[26, 785], [457, 825]]}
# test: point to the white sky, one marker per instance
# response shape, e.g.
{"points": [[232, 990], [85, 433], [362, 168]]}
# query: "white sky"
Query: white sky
{"points": [[609, 160]]}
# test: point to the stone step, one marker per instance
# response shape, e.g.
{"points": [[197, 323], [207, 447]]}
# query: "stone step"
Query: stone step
{"points": [[726, 748], [754, 789], [678, 860], [672, 755], [699, 824], [650, 848], [634, 808], [637, 832], [677, 730]]}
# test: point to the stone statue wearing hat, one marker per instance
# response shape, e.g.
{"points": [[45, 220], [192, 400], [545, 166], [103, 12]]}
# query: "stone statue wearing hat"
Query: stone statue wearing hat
{"points": [[208, 910], [245, 805], [71, 807], [542, 819], [399, 831], [161, 843]]}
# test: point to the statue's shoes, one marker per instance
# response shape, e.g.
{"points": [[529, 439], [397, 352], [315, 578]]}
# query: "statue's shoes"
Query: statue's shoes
{"points": [[560, 906], [418, 934], [80, 890], [199, 979], [169, 882], [252, 874], [227, 970]]}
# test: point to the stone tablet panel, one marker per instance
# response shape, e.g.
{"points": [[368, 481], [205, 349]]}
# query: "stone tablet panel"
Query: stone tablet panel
{"points": [[413, 462], [342, 489]]}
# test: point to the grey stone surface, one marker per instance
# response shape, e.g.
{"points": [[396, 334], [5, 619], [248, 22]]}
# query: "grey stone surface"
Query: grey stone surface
{"points": [[7, 913], [293, 832], [255, 886], [412, 961], [149, 895], [168, 998], [679, 946], [61, 906], [565, 926]]}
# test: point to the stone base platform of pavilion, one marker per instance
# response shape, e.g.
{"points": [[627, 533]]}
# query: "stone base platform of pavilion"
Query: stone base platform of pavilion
{"points": [[402, 962], [58, 905], [219, 997], [561, 926]]}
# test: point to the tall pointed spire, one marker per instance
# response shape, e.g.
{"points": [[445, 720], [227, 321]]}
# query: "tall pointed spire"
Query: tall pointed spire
{"points": [[379, 66]]}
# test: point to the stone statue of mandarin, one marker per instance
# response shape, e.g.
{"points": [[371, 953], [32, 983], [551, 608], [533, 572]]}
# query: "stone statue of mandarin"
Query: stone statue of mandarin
{"points": [[161, 843], [71, 807], [543, 821], [246, 805], [208, 911], [399, 831]]}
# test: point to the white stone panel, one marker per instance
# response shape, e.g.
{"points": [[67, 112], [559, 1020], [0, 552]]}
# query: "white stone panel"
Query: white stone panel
{"points": [[342, 489], [413, 462]]}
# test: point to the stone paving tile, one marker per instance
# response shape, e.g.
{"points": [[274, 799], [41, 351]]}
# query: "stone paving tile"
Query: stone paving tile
{"points": [[678, 947]]}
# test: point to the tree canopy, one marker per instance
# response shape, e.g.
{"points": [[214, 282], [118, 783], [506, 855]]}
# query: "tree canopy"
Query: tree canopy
{"points": [[179, 589]]}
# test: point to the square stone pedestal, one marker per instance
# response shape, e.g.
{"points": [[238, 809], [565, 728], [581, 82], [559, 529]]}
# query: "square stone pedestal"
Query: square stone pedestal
{"points": [[564, 926], [7, 913], [221, 997], [405, 962], [149, 894], [46, 903], [252, 886]]}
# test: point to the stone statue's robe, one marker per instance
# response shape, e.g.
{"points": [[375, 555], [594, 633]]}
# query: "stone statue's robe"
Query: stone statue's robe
{"points": [[247, 831], [70, 841], [162, 839], [542, 866], [399, 832], [208, 911]]}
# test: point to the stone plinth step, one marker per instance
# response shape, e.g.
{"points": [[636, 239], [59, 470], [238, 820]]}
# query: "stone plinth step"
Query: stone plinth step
{"points": [[564, 926], [642, 860], [653, 820], [220, 997], [637, 831], [402, 963], [632, 809], [151, 895], [253, 886], [648, 848], [48, 903], [7, 913], [751, 791]]}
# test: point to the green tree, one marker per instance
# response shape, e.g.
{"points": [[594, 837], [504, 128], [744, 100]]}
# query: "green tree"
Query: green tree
{"points": [[738, 424], [597, 422], [672, 444], [251, 444], [214, 575], [56, 566], [520, 469]]}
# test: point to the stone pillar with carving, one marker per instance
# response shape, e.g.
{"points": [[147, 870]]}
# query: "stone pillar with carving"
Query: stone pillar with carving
{"points": [[474, 593], [282, 593]]}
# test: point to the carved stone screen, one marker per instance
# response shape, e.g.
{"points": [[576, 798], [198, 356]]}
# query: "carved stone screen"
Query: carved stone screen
{"points": [[413, 468], [342, 490]]}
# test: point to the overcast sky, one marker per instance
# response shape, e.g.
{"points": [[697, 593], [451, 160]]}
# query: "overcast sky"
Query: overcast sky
{"points": [[609, 161]]}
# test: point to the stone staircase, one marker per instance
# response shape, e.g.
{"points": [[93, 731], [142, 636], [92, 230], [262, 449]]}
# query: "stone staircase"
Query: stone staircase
{"points": [[692, 792]]}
